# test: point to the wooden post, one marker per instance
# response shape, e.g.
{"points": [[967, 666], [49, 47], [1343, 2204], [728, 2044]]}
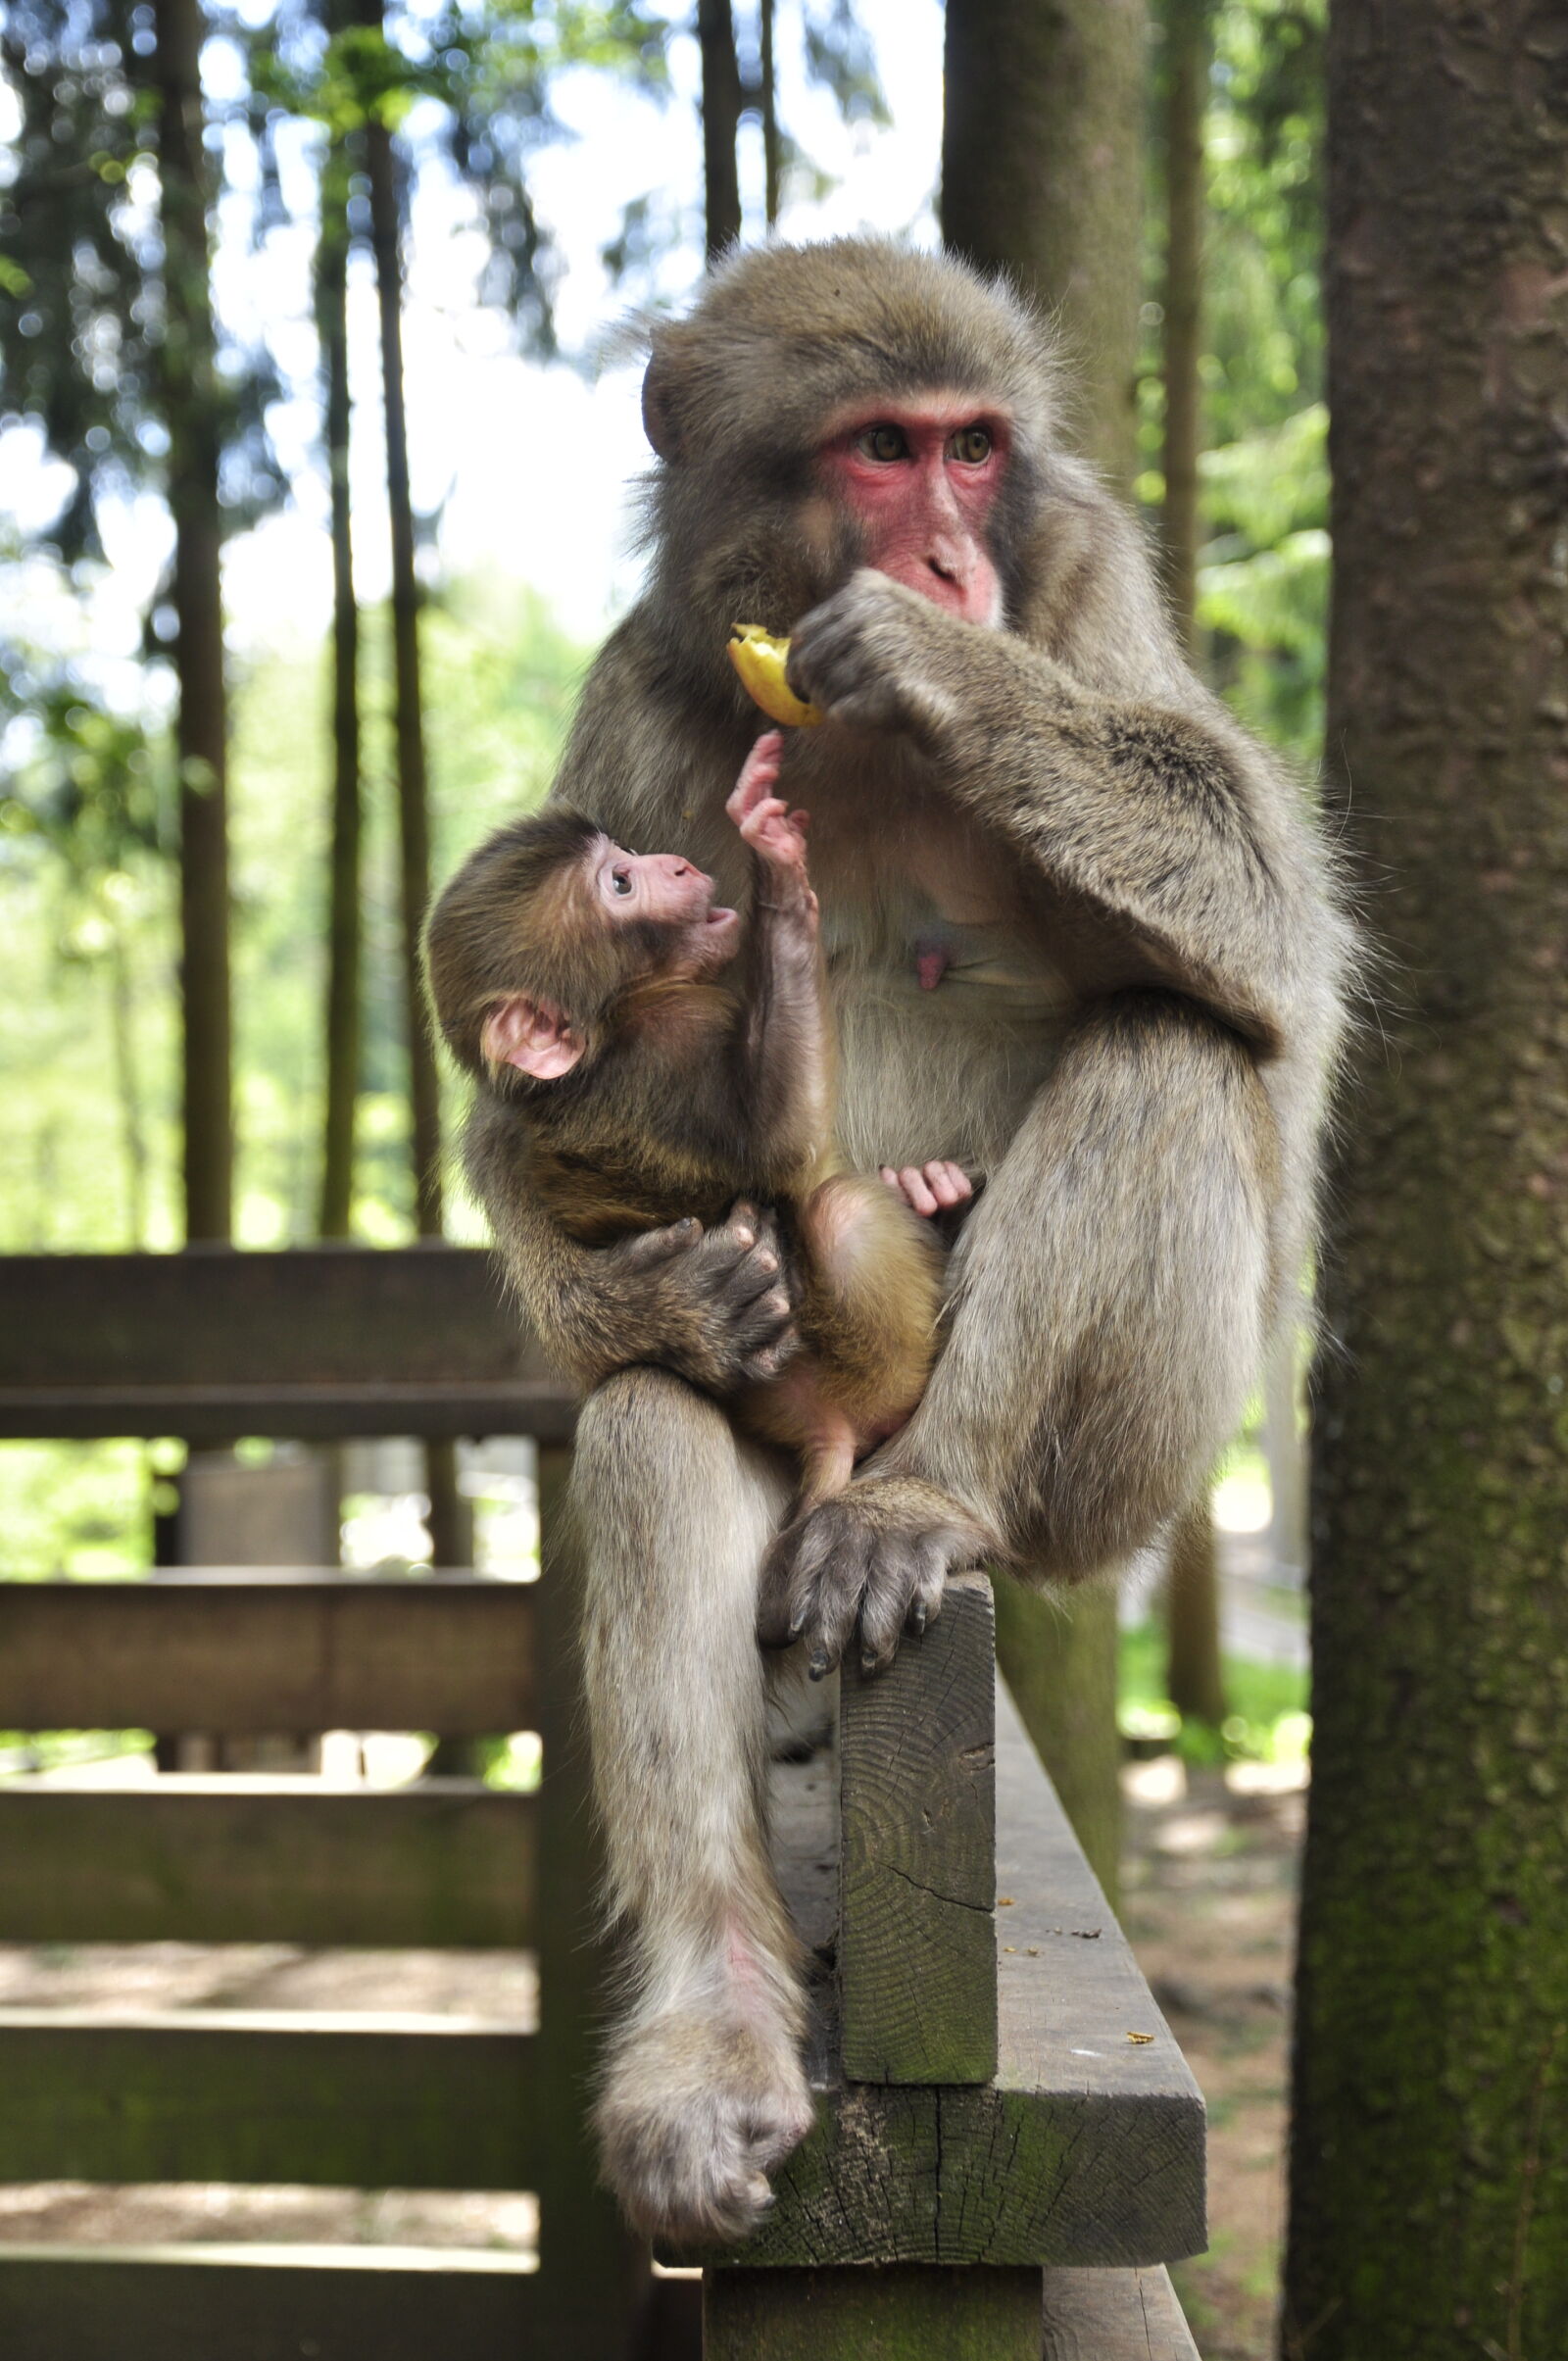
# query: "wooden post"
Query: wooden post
{"points": [[917, 1946], [904, 2313], [592, 2275]]}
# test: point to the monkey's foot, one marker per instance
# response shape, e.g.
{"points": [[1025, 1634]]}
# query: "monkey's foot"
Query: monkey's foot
{"points": [[696, 2112], [878, 1556]]}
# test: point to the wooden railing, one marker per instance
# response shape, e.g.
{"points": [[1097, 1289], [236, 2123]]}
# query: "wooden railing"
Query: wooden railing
{"points": [[1009, 2144]]}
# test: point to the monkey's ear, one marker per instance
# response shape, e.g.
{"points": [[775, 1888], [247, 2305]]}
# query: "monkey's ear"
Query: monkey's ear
{"points": [[658, 411], [532, 1036]]}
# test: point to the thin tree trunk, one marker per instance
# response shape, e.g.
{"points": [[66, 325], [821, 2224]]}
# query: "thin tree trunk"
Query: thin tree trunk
{"points": [[1042, 166], [127, 1082], [1186, 93], [1429, 2209], [772, 162], [414, 809], [343, 986], [188, 393], [721, 121], [1195, 1677]]}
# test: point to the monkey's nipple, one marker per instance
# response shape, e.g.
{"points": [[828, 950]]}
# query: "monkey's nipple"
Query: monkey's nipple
{"points": [[760, 657]]}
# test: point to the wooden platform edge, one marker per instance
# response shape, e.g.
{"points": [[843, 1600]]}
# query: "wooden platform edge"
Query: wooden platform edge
{"points": [[257, 2303], [1114, 2316]]}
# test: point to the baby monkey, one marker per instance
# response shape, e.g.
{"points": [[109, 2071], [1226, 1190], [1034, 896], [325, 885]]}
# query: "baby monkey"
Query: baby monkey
{"points": [[661, 1059]]}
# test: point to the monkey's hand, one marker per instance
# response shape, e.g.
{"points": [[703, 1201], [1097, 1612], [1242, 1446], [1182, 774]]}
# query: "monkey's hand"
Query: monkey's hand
{"points": [[711, 1304], [775, 833], [872, 654], [878, 1557]]}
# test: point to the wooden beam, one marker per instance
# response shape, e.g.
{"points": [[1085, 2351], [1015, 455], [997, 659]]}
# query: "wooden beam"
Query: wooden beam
{"points": [[255, 2303], [903, 2314], [917, 1951], [268, 1648], [1114, 2316], [315, 1341], [1087, 2148], [250, 1858], [234, 2095]]}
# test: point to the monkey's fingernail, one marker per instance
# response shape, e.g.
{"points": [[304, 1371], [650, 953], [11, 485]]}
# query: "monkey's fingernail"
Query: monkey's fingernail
{"points": [[766, 1262], [868, 1662], [818, 1669], [797, 1623], [745, 1237], [917, 1621]]}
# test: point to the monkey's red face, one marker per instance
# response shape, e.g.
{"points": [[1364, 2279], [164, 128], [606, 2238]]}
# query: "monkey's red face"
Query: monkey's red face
{"points": [[634, 888], [920, 482]]}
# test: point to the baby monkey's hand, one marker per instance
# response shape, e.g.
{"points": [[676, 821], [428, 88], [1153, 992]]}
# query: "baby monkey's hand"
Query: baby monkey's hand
{"points": [[775, 833]]}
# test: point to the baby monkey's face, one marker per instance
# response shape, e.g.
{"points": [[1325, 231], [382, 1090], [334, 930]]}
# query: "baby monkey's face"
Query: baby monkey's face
{"points": [[632, 888]]}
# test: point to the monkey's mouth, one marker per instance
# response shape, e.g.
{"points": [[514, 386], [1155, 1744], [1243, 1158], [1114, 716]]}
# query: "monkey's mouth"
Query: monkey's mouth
{"points": [[718, 916]]}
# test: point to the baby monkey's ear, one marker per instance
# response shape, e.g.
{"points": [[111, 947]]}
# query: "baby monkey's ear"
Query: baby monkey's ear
{"points": [[531, 1035]]}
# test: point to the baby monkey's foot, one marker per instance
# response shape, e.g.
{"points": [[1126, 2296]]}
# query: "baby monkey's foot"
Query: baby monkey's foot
{"points": [[934, 1188]]}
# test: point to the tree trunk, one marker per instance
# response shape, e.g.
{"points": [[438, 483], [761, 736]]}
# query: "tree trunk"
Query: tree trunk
{"points": [[1042, 172], [127, 1082], [344, 924], [188, 393], [413, 806], [771, 163], [1430, 2144], [1195, 1676], [1186, 94], [722, 122]]}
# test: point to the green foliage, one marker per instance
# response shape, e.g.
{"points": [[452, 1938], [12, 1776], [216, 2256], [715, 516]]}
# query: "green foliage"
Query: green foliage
{"points": [[1267, 1722]]}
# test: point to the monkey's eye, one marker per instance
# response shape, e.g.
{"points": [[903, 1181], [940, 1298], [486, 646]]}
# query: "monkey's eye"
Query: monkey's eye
{"points": [[621, 881], [884, 443], [971, 444]]}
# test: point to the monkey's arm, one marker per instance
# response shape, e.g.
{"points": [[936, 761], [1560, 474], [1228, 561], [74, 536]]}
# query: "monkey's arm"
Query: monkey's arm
{"points": [[712, 1305], [1163, 815]]}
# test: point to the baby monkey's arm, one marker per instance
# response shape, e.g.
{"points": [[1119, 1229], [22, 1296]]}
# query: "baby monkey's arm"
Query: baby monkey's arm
{"points": [[789, 1035]]}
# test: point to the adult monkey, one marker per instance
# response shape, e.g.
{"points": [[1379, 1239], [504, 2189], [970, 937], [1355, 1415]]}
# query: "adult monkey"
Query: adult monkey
{"points": [[1081, 940]]}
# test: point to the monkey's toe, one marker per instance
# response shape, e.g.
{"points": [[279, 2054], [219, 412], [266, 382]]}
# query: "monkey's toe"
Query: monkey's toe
{"points": [[877, 1558]]}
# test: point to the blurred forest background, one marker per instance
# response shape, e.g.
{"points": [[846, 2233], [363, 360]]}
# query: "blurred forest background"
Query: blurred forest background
{"points": [[464, 196]]}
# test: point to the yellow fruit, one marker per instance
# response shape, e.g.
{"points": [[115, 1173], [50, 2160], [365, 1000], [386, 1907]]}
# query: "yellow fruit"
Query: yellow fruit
{"points": [[760, 657]]}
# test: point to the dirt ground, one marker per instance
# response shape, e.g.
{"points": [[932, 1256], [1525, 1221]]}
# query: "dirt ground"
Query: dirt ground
{"points": [[1209, 1903], [1208, 1900]]}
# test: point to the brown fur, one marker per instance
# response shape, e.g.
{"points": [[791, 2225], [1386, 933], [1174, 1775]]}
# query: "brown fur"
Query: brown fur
{"points": [[1142, 1079], [692, 1094]]}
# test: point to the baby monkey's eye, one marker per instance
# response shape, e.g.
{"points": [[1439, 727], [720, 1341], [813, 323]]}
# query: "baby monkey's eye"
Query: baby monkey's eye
{"points": [[972, 444], [620, 879], [885, 443]]}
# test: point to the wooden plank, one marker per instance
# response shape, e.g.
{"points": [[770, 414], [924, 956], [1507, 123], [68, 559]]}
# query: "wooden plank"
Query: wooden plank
{"points": [[594, 2276], [1114, 2316], [917, 1955], [257, 1858], [1087, 2149], [318, 1341], [268, 1648], [334, 2101], [904, 2314], [255, 2303]]}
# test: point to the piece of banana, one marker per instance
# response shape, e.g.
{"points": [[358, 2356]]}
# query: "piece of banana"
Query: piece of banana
{"points": [[760, 657]]}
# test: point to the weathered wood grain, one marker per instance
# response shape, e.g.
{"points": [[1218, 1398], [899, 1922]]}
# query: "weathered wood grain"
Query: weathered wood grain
{"points": [[917, 1962], [1114, 2316], [1087, 2149], [254, 2303], [320, 1340], [258, 1858], [268, 1648], [238, 2094], [902, 2314]]}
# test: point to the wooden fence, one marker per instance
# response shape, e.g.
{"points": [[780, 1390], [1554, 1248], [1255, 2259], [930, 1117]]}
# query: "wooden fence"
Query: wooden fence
{"points": [[1009, 2145]]}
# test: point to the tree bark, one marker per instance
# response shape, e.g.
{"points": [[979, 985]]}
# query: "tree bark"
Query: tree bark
{"points": [[1186, 96], [771, 157], [413, 806], [1429, 2214], [343, 986], [721, 121], [188, 394], [1042, 172]]}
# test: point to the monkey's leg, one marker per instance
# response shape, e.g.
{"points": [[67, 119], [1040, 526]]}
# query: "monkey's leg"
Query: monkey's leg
{"points": [[1111, 1300], [703, 2088]]}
